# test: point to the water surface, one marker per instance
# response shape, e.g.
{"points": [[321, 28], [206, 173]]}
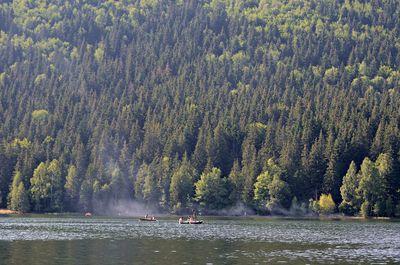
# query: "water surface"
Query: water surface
{"points": [[62, 240]]}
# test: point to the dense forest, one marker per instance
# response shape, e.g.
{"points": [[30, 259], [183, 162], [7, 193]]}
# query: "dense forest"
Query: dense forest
{"points": [[277, 106]]}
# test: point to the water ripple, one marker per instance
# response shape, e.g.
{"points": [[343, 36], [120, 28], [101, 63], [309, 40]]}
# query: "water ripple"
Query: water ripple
{"points": [[310, 240]]}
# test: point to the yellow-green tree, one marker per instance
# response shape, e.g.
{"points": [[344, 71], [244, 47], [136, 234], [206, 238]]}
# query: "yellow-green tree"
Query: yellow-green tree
{"points": [[18, 196], [182, 184], [371, 188], [211, 190], [270, 191], [351, 200], [326, 204], [46, 187]]}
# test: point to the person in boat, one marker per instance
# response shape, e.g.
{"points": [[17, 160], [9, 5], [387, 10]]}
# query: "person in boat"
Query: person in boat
{"points": [[194, 215], [181, 220], [146, 216], [191, 219], [153, 218]]}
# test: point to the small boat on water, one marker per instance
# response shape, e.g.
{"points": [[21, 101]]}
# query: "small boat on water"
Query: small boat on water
{"points": [[191, 222], [147, 218]]}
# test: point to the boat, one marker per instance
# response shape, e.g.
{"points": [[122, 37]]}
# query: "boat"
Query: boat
{"points": [[191, 222], [148, 219]]}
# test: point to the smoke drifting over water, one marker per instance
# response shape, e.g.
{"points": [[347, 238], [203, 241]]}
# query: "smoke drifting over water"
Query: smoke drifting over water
{"points": [[237, 210], [127, 208]]}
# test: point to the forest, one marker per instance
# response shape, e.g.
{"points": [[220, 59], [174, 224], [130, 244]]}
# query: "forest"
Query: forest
{"points": [[288, 106]]}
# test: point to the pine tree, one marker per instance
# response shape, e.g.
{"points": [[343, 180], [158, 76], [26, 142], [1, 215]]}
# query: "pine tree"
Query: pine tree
{"points": [[315, 167], [72, 187], [18, 196], [236, 182], [351, 200], [250, 169]]}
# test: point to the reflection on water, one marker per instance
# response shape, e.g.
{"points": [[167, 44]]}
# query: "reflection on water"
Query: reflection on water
{"points": [[128, 241]]}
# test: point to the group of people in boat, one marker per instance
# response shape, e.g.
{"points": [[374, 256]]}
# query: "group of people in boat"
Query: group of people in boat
{"points": [[149, 218], [190, 219]]}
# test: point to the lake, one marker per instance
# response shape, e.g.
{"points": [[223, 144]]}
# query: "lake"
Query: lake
{"points": [[107, 240]]}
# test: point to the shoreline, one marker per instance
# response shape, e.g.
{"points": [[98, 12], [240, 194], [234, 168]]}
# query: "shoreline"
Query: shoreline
{"points": [[6, 212]]}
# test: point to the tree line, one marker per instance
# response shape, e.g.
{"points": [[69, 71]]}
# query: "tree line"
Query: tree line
{"points": [[274, 105]]}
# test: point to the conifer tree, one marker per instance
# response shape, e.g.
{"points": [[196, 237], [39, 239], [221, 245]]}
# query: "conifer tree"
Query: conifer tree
{"points": [[236, 181], [18, 196], [351, 200], [72, 186]]}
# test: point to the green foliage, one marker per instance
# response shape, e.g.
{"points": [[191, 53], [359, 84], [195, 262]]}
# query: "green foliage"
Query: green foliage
{"points": [[348, 190], [113, 87], [40, 114], [270, 191], [280, 195], [368, 187], [18, 196], [331, 75], [389, 207], [119, 186], [326, 204], [372, 185], [182, 185], [261, 190], [211, 190], [235, 180], [313, 205], [85, 196], [397, 210], [99, 53], [139, 182], [39, 79], [46, 191], [72, 186], [366, 210]]}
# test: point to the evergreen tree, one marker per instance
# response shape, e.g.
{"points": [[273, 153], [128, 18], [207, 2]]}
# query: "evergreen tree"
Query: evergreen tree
{"points": [[236, 181], [351, 200], [18, 196], [221, 82], [315, 167], [249, 169], [72, 187]]}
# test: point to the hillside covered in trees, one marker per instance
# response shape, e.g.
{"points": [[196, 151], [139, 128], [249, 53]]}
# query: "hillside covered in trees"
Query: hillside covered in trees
{"points": [[274, 105]]}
